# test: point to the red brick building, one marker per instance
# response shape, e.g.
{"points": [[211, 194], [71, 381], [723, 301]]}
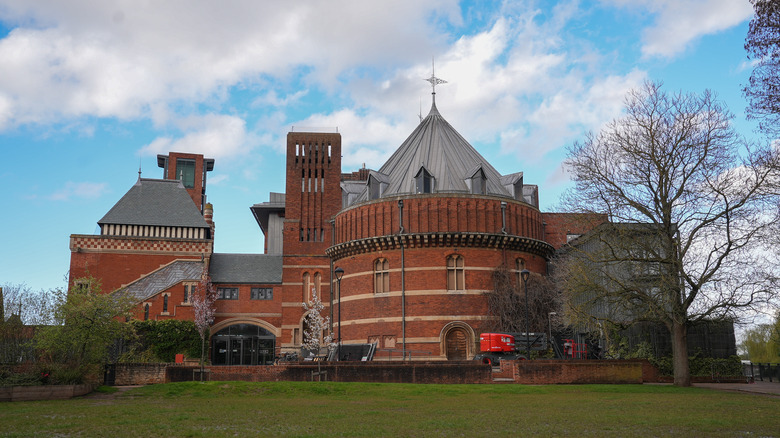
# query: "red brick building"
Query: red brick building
{"points": [[417, 240]]}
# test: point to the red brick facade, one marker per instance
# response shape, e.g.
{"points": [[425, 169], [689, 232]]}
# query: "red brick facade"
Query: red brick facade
{"points": [[415, 275], [117, 261]]}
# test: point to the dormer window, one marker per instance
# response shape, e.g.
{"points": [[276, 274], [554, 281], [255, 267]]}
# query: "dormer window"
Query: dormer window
{"points": [[479, 182], [375, 187], [424, 181], [518, 192]]}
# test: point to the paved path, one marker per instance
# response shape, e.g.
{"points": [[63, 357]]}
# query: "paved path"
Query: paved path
{"points": [[109, 395], [759, 387]]}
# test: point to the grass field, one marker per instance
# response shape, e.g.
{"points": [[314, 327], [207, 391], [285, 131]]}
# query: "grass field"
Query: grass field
{"points": [[218, 409]]}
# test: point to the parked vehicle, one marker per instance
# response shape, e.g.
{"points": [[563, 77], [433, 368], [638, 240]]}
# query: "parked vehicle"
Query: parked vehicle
{"points": [[497, 346]]}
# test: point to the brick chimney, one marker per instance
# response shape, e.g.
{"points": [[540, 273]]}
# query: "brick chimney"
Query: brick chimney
{"points": [[208, 215]]}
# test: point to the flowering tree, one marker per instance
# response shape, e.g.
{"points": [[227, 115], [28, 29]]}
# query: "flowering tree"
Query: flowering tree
{"points": [[315, 325], [203, 304]]}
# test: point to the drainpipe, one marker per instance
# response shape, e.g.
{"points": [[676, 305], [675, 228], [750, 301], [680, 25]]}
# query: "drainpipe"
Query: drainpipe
{"points": [[503, 217], [333, 243], [403, 276], [503, 230]]}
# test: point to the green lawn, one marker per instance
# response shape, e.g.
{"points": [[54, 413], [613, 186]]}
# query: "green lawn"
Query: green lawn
{"points": [[243, 409]]}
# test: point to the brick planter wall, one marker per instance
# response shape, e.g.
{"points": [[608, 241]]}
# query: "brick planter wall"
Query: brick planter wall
{"points": [[43, 392], [536, 372], [384, 372]]}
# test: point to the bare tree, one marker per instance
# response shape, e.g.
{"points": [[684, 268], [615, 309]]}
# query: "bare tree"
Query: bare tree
{"points": [[203, 307], [21, 310], [691, 203], [763, 46], [506, 303], [32, 307]]}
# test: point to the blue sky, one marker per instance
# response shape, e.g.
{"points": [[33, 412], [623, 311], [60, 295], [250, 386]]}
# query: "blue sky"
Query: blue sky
{"points": [[90, 90]]}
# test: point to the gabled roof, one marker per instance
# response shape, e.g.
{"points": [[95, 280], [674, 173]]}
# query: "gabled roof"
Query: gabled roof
{"points": [[156, 202], [444, 153], [245, 268], [162, 279]]}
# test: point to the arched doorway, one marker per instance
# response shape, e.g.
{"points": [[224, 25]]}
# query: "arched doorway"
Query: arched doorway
{"points": [[243, 344], [457, 344]]}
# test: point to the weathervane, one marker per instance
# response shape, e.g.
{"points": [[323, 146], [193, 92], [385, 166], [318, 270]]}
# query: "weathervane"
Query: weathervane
{"points": [[433, 79]]}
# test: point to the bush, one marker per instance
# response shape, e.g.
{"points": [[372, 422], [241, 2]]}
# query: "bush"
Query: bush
{"points": [[701, 366], [161, 341]]}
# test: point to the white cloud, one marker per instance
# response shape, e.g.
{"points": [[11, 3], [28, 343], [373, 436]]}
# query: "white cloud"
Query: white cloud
{"points": [[213, 135], [515, 84], [365, 140], [679, 23], [118, 59], [85, 190], [218, 179]]}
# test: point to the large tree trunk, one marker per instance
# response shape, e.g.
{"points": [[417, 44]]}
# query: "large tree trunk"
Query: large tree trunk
{"points": [[682, 370]]}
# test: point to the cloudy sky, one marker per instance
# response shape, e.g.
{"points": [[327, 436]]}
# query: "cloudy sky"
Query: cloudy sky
{"points": [[92, 90]]}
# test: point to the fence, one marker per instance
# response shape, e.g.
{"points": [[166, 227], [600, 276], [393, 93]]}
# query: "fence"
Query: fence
{"points": [[762, 371]]}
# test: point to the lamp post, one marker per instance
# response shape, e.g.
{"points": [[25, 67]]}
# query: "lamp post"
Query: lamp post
{"points": [[524, 275], [339, 273], [549, 323]]}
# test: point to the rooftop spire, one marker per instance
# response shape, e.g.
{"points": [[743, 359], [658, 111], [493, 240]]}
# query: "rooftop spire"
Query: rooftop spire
{"points": [[434, 80]]}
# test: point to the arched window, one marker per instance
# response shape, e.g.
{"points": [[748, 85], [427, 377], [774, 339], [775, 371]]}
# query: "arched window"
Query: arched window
{"points": [[318, 285], [306, 285], [519, 265], [146, 312], [456, 278], [165, 303], [424, 181], [381, 276]]}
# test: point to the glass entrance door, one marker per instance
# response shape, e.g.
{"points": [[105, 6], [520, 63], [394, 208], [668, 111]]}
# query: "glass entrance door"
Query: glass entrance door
{"points": [[243, 344]]}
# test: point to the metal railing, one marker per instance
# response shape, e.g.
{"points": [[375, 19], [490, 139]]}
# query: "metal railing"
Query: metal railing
{"points": [[762, 371]]}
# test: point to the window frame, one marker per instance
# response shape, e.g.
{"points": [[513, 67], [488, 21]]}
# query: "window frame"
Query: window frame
{"points": [[222, 296], [261, 294], [456, 273], [520, 266], [183, 164], [381, 275]]}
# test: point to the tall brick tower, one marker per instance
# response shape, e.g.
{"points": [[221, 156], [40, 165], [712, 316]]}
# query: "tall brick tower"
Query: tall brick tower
{"points": [[313, 198], [191, 170]]}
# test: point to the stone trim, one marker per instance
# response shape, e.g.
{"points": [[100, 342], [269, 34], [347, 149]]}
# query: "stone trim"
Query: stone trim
{"points": [[427, 240]]}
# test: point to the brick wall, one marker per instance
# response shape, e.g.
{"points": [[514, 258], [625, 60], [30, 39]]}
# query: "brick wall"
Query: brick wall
{"points": [[439, 213], [383, 372], [117, 261], [557, 226], [140, 373], [539, 372]]}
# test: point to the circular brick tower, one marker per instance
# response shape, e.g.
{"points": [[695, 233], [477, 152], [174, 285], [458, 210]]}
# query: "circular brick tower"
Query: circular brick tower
{"points": [[419, 240]]}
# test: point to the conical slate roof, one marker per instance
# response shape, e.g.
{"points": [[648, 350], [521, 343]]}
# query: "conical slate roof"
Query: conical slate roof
{"points": [[436, 146], [156, 202]]}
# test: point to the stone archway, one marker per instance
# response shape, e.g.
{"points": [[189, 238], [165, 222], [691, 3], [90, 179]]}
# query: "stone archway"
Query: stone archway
{"points": [[457, 344], [457, 341]]}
